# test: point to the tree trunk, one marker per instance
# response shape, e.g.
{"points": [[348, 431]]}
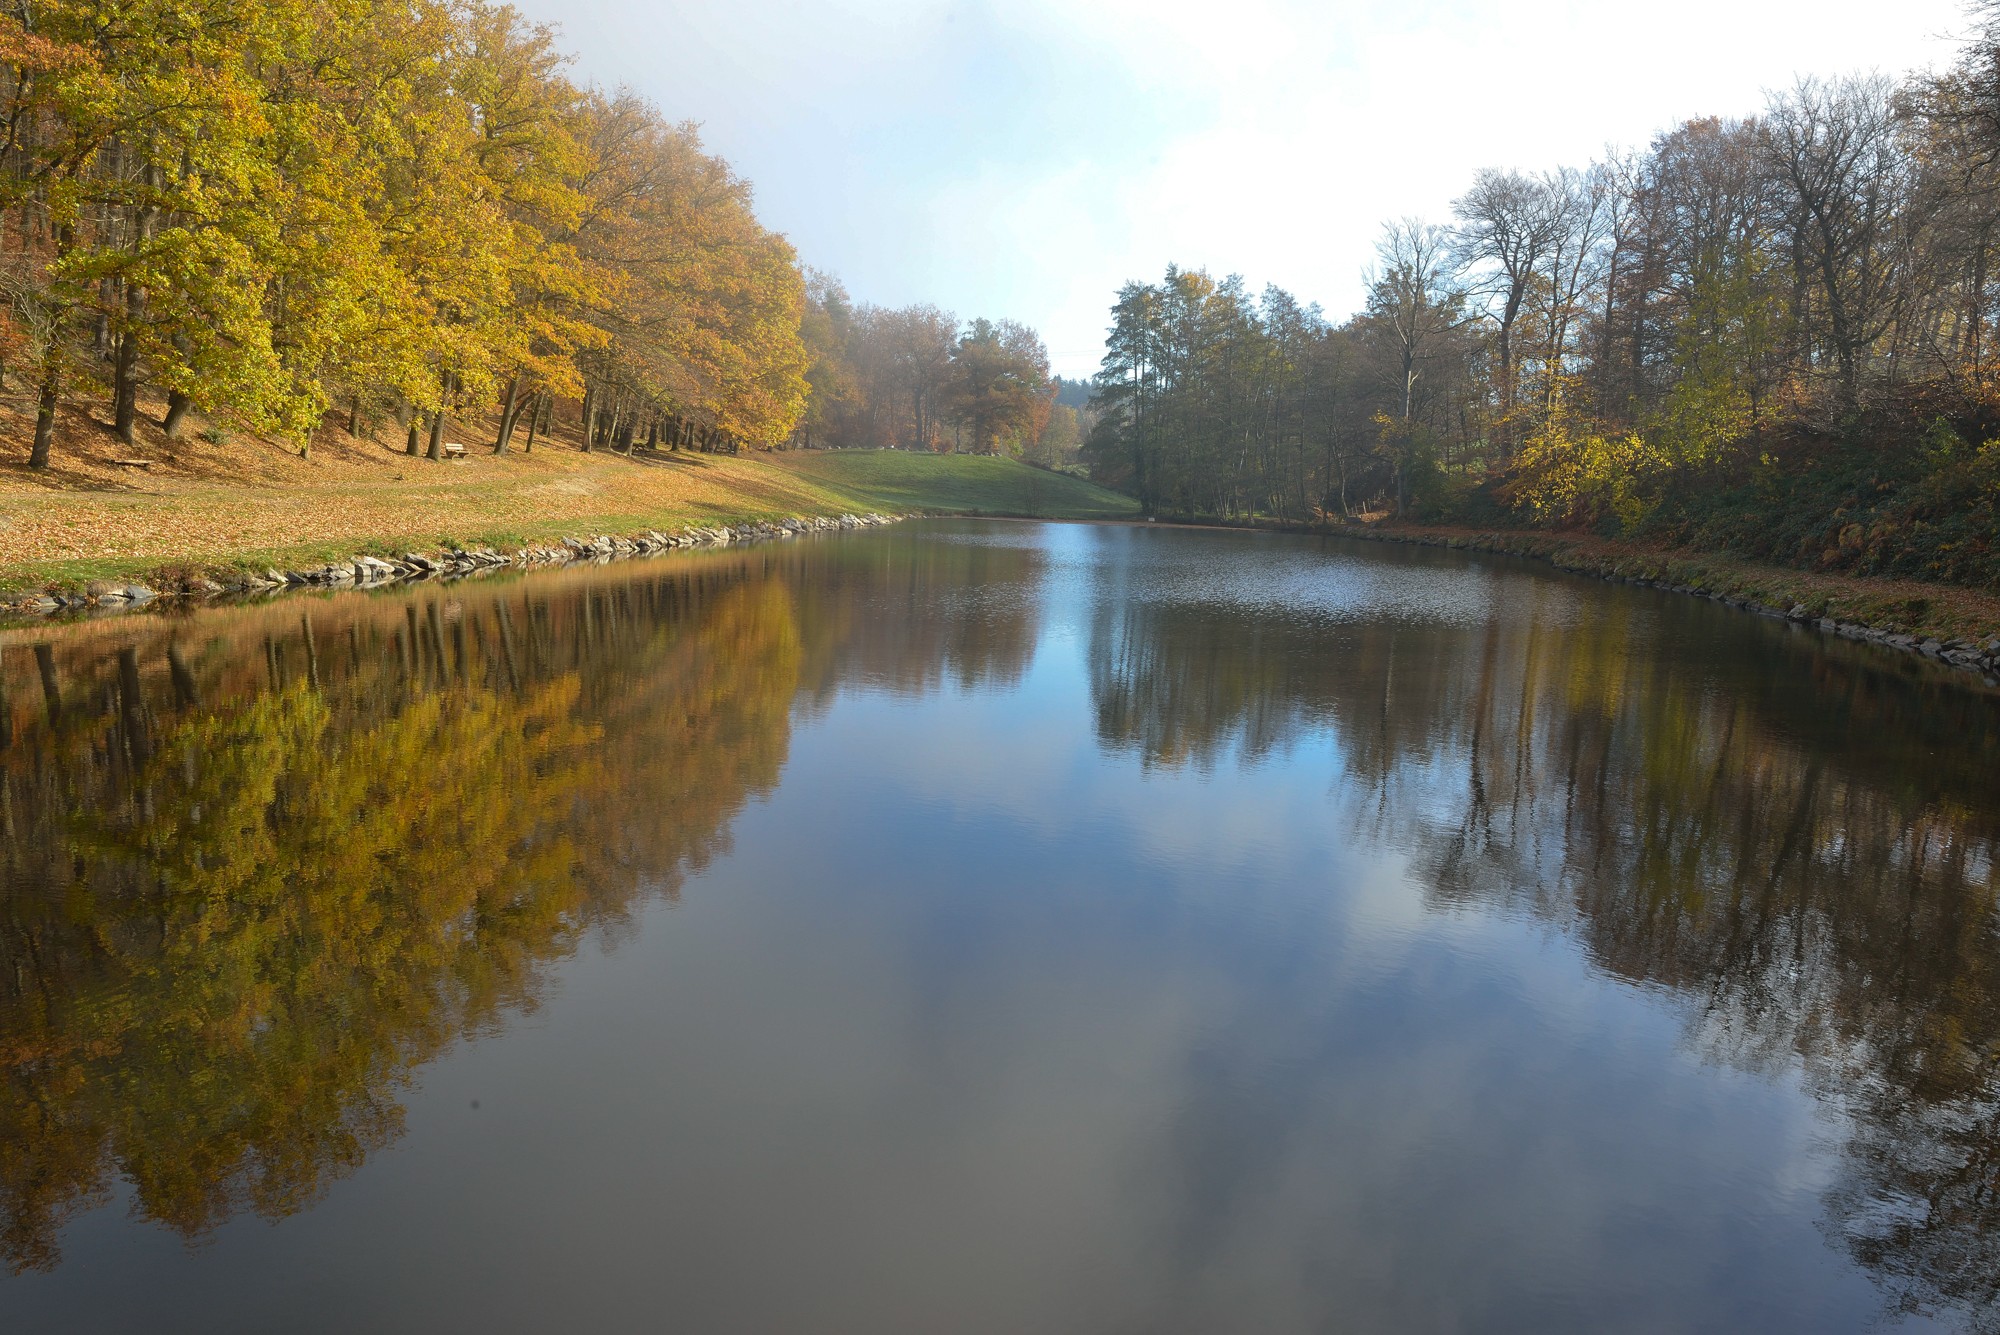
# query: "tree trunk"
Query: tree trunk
{"points": [[449, 386], [177, 410], [510, 412], [416, 430], [45, 413], [125, 389], [354, 417], [100, 333], [534, 422]]}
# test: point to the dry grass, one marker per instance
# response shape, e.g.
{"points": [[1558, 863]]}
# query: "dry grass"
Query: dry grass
{"points": [[249, 502]]}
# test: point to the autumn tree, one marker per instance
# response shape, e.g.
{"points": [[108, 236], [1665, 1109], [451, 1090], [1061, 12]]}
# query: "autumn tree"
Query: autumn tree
{"points": [[998, 385]]}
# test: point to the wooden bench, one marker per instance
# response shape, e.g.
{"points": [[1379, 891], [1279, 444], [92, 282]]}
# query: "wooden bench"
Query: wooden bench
{"points": [[454, 451]]}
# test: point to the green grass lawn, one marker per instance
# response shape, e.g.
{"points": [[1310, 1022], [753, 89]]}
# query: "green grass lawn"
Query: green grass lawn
{"points": [[903, 480]]}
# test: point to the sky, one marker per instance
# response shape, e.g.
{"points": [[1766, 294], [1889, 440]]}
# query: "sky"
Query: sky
{"points": [[1023, 159]]}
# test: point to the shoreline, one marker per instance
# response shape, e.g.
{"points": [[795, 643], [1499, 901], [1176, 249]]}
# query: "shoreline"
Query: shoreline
{"points": [[1897, 614], [217, 514], [109, 598], [1956, 627]]}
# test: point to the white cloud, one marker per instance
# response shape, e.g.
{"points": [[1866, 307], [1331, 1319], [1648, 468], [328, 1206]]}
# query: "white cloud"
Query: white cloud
{"points": [[1025, 159]]}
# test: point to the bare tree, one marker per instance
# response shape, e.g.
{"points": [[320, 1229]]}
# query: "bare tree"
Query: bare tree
{"points": [[1582, 213], [1507, 228], [1414, 306], [1832, 149], [1413, 297]]}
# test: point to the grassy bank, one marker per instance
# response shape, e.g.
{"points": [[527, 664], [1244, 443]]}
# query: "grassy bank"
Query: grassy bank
{"points": [[214, 505], [898, 480]]}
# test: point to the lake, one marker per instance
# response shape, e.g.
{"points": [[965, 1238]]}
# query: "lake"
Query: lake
{"points": [[996, 927]]}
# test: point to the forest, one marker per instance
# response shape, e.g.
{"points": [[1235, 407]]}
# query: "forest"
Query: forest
{"points": [[285, 214], [276, 212], [1766, 334], [913, 378]]}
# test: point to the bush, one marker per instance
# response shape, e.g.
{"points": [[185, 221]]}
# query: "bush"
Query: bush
{"points": [[1904, 498]]}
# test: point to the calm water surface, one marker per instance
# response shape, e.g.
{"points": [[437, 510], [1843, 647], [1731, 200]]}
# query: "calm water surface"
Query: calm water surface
{"points": [[996, 928]]}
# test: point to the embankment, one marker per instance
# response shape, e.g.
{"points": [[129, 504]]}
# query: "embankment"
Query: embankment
{"points": [[1953, 625], [209, 510]]}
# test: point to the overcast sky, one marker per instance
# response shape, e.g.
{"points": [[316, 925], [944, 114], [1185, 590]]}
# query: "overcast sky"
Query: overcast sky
{"points": [[1023, 158]]}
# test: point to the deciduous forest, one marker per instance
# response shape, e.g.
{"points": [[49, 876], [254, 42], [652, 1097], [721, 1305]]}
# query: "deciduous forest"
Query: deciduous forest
{"points": [[1766, 334], [914, 378], [279, 211], [1769, 334], [285, 213]]}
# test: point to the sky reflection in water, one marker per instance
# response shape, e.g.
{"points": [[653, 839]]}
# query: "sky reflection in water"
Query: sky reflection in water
{"points": [[995, 927]]}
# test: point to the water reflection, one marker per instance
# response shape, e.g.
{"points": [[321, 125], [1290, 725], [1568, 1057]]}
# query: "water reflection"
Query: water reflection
{"points": [[1796, 837], [262, 865]]}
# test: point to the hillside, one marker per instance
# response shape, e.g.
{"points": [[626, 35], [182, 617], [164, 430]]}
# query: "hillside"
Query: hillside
{"points": [[216, 501], [900, 480]]}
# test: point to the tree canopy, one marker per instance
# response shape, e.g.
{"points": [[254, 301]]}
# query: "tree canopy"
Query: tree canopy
{"points": [[1770, 332], [268, 209]]}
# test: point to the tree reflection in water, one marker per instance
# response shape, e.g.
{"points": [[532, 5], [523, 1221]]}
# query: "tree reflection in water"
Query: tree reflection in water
{"points": [[1801, 846], [262, 864]]}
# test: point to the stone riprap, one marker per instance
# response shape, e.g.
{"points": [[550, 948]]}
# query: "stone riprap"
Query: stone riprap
{"points": [[102, 598]]}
